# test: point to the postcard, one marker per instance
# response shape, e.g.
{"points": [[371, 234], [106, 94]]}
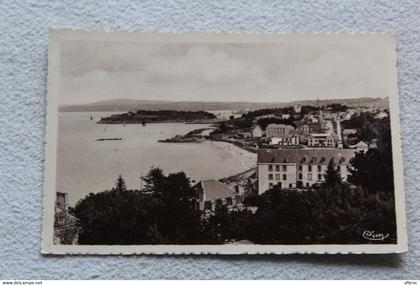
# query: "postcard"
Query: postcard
{"points": [[218, 143]]}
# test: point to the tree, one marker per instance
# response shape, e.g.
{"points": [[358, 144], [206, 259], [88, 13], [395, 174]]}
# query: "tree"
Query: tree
{"points": [[332, 175], [225, 225], [154, 180], [264, 122], [120, 184], [164, 214], [373, 169], [328, 215]]}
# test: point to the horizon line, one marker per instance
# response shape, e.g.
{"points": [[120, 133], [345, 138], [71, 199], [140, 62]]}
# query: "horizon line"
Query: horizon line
{"points": [[251, 102]]}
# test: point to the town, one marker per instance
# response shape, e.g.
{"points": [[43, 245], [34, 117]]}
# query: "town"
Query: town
{"points": [[294, 146]]}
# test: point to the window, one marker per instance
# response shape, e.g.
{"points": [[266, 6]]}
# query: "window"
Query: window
{"points": [[270, 168], [309, 176], [319, 176], [284, 167], [270, 176], [284, 177], [290, 185], [300, 176], [277, 176], [319, 168], [300, 167], [309, 167], [277, 167], [270, 185]]}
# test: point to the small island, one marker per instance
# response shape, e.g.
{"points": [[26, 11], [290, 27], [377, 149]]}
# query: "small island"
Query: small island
{"points": [[162, 116]]}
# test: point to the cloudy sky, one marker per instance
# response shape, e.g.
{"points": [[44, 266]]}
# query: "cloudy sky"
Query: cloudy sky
{"points": [[92, 71]]}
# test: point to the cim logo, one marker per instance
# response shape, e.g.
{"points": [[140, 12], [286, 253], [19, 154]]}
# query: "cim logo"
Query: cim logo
{"points": [[372, 235]]}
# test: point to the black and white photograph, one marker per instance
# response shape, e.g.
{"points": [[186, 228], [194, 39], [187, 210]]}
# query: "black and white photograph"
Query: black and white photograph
{"points": [[222, 143]]}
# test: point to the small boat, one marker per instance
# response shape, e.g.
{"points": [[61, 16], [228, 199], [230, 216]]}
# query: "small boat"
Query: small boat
{"points": [[108, 139]]}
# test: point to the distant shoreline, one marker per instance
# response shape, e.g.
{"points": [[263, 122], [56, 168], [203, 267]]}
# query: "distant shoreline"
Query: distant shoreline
{"points": [[126, 105]]}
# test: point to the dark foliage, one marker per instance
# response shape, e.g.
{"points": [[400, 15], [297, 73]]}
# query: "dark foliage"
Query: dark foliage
{"points": [[368, 127], [240, 123], [120, 184], [336, 107], [267, 111], [119, 216], [374, 169], [307, 109], [336, 215], [227, 225], [332, 175], [264, 122]]}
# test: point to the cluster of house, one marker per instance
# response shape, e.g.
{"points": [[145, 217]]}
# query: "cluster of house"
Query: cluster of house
{"points": [[312, 131], [285, 168], [293, 157]]}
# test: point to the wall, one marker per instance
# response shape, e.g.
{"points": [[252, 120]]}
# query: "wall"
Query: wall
{"points": [[23, 60], [263, 172]]}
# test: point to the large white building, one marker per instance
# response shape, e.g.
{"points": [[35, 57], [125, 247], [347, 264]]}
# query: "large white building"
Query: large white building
{"points": [[279, 131], [298, 168]]}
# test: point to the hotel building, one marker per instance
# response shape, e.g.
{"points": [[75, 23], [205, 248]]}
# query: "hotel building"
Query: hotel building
{"points": [[298, 168]]}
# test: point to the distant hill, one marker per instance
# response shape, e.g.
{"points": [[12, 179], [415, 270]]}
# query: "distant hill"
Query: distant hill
{"points": [[134, 105]]}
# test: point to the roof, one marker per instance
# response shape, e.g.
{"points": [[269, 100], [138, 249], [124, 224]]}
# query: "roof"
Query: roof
{"points": [[280, 126], [321, 135], [214, 190], [349, 131], [306, 155], [316, 127]]}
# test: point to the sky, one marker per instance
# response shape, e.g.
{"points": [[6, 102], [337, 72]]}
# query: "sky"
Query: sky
{"points": [[290, 70]]}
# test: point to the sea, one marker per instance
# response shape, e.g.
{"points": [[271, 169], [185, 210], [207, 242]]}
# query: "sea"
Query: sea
{"points": [[86, 165]]}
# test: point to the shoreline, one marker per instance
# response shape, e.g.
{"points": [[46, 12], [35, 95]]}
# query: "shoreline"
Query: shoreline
{"points": [[246, 158]]}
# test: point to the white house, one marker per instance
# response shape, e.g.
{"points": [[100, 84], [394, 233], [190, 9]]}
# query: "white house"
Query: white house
{"points": [[322, 140], [257, 132], [360, 146]]}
